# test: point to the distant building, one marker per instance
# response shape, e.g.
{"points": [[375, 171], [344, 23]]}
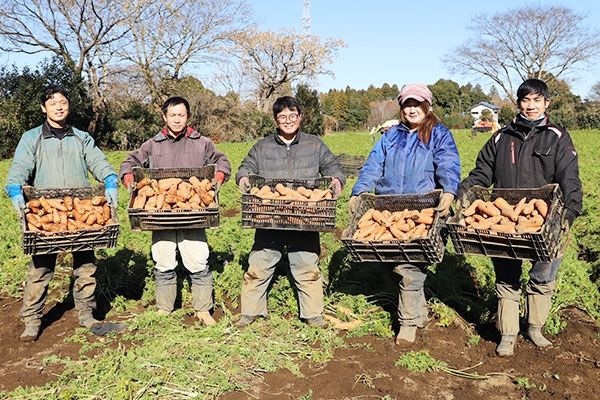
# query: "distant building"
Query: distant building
{"points": [[482, 106], [480, 125]]}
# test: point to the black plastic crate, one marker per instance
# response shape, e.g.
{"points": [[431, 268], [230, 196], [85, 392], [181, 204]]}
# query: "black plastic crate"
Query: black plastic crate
{"points": [[430, 249], [38, 243], [297, 215], [541, 246], [157, 220], [351, 164]]}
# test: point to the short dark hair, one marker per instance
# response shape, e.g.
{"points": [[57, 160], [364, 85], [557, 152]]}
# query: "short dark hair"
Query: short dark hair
{"points": [[175, 101], [285, 102], [534, 86], [51, 91]]}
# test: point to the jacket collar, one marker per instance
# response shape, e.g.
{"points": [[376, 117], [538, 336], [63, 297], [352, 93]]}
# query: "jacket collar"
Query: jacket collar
{"points": [[46, 133], [190, 133], [520, 128], [296, 138]]}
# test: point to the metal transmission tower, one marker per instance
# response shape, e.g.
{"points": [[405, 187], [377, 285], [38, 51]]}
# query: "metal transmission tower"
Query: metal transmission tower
{"points": [[306, 17]]}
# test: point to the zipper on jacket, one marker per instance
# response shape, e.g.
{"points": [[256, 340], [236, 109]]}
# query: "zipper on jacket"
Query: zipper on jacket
{"points": [[289, 163], [512, 152]]}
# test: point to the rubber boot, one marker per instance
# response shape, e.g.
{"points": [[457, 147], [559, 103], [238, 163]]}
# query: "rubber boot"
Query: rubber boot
{"points": [[165, 298], [31, 332], [538, 308], [166, 291], [406, 335], [86, 318], [508, 325]]}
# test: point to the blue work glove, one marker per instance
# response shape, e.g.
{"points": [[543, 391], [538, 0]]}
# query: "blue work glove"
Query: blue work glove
{"points": [[15, 192], [111, 184]]}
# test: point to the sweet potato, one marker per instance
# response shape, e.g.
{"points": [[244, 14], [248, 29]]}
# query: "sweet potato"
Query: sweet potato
{"points": [[472, 209], [400, 235], [194, 181], [379, 233], [254, 190], [98, 200], [34, 220], [146, 191], [366, 223], [423, 219], [506, 209], [143, 183], [304, 191], [367, 215], [139, 201], [520, 205], [68, 201], [166, 183], [542, 207], [32, 228], [33, 203], [504, 228], [45, 205], [106, 211], [183, 205], [529, 207], [317, 194], [386, 237], [488, 208]]}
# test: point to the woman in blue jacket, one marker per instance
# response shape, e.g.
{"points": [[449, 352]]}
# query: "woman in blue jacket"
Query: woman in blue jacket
{"points": [[416, 156]]}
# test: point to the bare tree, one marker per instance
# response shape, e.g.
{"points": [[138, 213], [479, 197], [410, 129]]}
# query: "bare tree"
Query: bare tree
{"points": [[595, 92], [529, 42], [272, 60], [179, 33], [81, 32]]}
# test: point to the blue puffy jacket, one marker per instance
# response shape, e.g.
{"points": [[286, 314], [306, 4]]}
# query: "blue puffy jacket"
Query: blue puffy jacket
{"points": [[401, 164]]}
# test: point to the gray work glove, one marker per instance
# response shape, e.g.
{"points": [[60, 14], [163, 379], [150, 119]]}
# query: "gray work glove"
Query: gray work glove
{"points": [[336, 187], [244, 184], [353, 205], [443, 207]]}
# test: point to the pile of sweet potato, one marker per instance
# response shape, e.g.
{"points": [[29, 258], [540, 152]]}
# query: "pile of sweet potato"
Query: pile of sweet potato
{"points": [[282, 192], [174, 193], [67, 214], [383, 226], [500, 216]]}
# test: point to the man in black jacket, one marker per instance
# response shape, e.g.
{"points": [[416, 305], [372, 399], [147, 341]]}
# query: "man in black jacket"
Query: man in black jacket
{"points": [[287, 154], [529, 153]]}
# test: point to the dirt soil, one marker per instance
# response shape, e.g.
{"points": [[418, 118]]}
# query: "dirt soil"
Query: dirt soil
{"points": [[365, 368]]}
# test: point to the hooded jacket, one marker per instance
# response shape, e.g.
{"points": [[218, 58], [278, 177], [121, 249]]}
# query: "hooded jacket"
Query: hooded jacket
{"points": [[400, 163], [188, 150], [522, 156], [44, 161]]}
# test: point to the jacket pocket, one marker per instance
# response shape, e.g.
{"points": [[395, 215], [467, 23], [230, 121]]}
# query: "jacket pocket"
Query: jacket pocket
{"points": [[542, 151]]}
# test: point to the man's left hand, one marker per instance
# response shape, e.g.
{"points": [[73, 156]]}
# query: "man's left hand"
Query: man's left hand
{"points": [[445, 202], [336, 187], [111, 184]]}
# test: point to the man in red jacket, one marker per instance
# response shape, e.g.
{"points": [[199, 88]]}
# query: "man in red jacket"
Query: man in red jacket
{"points": [[178, 145]]}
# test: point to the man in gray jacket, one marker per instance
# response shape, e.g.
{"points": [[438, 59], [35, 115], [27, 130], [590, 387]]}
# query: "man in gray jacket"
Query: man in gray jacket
{"points": [[288, 154], [56, 155], [178, 145]]}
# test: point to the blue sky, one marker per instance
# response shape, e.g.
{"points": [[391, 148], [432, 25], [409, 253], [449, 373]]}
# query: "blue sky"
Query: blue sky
{"points": [[394, 41], [400, 41]]}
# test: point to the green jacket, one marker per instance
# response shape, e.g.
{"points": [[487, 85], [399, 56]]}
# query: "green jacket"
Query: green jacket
{"points": [[44, 161]]}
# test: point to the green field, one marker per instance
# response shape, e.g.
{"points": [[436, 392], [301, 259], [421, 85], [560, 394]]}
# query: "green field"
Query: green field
{"points": [[163, 357]]}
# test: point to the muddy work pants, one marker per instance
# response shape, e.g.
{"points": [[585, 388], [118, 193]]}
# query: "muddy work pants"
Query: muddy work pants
{"points": [[539, 290], [412, 305], [303, 253], [39, 275]]}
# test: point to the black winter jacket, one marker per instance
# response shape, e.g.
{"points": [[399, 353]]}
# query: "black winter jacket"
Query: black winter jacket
{"points": [[306, 157], [520, 156]]}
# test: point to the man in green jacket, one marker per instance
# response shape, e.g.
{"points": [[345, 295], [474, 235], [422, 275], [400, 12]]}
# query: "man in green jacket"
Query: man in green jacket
{"points": [[56, 155]]}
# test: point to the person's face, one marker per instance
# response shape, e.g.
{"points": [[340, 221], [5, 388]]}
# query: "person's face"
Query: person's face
{"points": [[533, 106], [176, 118], [56, 109], [412, 112], [288, 121]]}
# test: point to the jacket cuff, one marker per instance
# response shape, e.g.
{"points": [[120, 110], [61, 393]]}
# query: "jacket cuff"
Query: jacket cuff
{"points": [[570, 216]]}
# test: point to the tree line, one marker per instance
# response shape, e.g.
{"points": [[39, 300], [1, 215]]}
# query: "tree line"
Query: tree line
{"points": [[120, 59]]}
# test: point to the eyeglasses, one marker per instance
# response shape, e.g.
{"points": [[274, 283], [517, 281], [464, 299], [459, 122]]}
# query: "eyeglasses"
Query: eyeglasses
{"points": [[281, 118]]}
